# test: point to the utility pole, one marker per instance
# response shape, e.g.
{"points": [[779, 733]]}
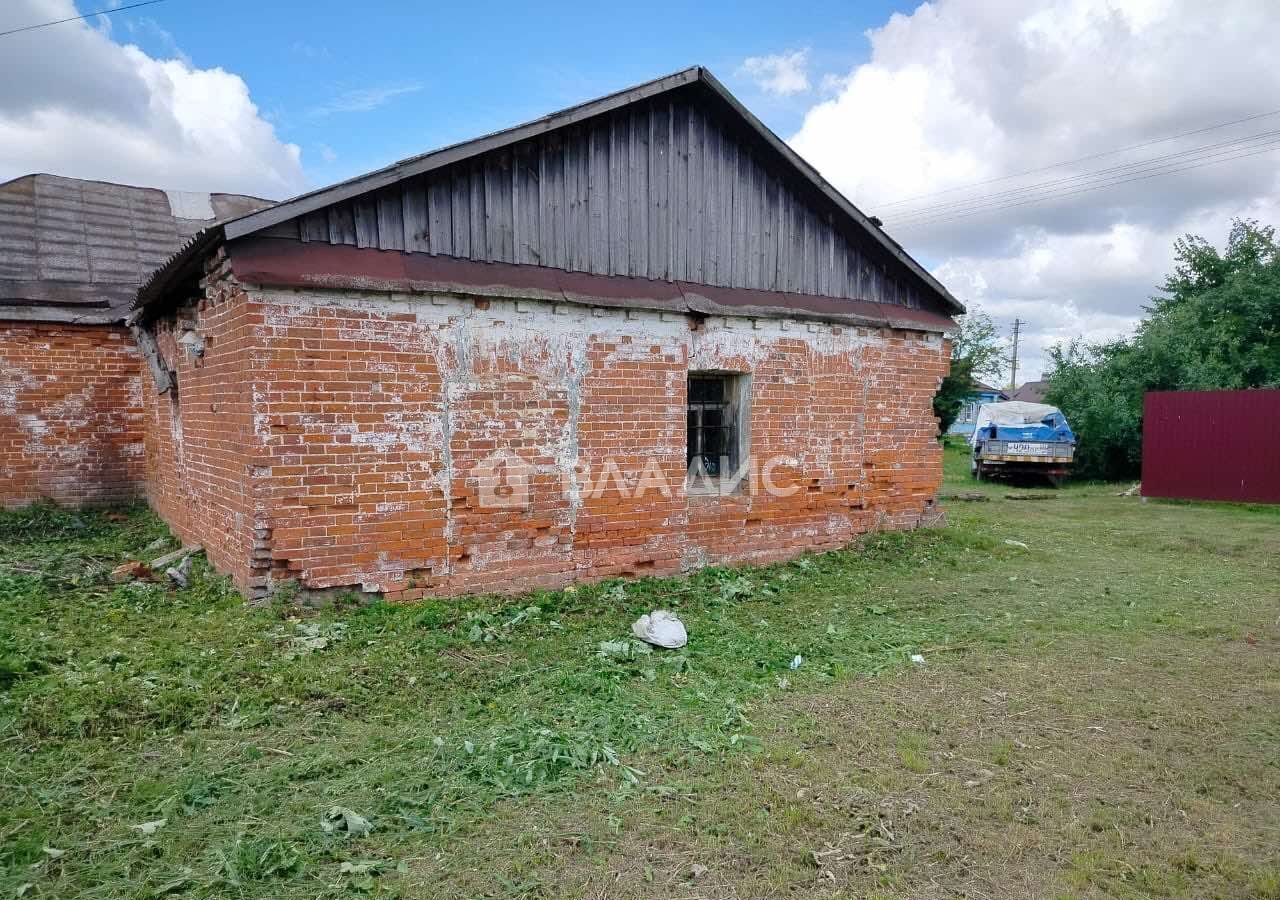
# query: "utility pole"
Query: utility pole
{"points": [[1013, 375]]}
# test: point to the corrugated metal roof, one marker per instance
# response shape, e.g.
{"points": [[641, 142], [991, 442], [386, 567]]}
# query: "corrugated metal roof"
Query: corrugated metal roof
{"points": [[75, 251]]}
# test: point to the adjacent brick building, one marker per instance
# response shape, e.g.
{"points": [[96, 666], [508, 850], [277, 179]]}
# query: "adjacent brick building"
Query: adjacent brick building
{"points": [[635, 337], [70, 414], [72, 254]]}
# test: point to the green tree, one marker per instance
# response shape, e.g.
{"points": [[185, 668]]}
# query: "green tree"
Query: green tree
{"points": [[1215, 325], [976, 353], [1097, 388]]}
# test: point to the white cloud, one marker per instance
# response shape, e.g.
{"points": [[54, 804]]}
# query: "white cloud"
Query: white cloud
{"points": [[782, 74], [364, 99], [963, 91], [75, 102]]}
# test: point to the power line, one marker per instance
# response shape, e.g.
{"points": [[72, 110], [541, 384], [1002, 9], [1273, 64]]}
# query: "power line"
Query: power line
{"points": [[1082, 177], [1086, 190], [1047, 197], [1069, 162], [101, 12], [1156, 165]]}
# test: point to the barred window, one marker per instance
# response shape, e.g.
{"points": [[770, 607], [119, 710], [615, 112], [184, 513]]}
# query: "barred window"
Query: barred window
{"points": [[716, 423]]}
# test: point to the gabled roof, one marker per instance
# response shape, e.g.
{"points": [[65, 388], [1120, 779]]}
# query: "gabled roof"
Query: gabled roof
{"points": [[697, 78], [73, 250], [1031, 392]]}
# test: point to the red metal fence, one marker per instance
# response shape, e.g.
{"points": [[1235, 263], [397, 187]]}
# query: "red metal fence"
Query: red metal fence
{"points": [[1212, 445]]}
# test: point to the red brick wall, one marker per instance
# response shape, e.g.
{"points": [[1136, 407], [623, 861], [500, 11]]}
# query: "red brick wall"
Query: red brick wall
{"points": [[352, 426], [200, 437], [70, 414]]}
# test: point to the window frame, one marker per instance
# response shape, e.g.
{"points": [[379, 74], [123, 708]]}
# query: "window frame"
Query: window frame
{"points": [[734, 407]]}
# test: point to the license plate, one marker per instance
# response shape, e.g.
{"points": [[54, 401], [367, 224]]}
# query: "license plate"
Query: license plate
{"points": [[1023, 448]]}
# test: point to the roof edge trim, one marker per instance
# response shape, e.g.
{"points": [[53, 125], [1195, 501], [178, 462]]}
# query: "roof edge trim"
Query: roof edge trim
{"points": [[268, 262]]}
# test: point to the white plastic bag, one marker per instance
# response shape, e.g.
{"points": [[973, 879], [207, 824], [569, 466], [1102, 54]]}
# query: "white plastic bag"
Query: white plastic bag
{"points": [[662, 629]]}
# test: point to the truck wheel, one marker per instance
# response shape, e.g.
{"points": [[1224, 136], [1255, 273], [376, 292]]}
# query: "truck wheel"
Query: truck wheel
{"points": [[1056, 480]]}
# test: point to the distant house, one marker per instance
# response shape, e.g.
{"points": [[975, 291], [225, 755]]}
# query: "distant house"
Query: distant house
{"points": [[983, 393], [1031, 391]]}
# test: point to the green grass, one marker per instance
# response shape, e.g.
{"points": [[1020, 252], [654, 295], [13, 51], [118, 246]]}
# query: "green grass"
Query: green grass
{"points": [[498, 750]]}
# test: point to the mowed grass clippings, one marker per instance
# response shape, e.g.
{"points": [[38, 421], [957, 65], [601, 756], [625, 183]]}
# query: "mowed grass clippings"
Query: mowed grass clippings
{"points": [[1098, 715]]}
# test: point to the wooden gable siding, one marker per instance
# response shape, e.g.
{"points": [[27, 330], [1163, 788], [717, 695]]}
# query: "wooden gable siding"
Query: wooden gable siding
{"points": [[664, 190]]}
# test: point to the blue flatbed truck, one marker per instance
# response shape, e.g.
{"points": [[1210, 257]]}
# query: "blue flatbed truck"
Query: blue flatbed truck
{"points": [[1017, 438]]}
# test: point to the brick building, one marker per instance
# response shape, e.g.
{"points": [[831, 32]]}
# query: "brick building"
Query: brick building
{"points": [[634, 337], [72, 254]]}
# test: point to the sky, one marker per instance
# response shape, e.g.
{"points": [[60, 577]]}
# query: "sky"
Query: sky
{"points": [[1035, 155]]}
